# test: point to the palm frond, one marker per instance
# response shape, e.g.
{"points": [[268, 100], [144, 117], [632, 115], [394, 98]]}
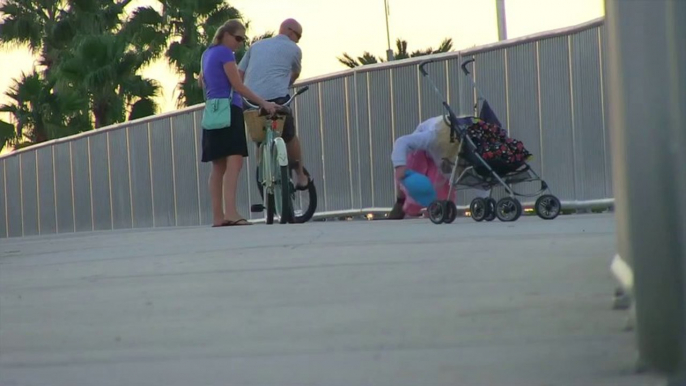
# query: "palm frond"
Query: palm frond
{"points": [[144, 107]]}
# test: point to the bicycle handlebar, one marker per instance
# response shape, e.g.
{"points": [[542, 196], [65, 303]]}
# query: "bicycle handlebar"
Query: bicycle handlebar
{"points": [[286, 104]]}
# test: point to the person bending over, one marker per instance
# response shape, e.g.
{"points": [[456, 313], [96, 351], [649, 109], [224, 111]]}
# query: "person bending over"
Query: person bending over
{"points": [[429, 151]]}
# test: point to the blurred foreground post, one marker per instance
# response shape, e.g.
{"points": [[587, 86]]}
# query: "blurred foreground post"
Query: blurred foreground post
{"points": [[646, 80]]}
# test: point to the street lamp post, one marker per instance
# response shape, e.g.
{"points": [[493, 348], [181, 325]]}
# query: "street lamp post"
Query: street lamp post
{"points": [[502, 24], [389, 52]]}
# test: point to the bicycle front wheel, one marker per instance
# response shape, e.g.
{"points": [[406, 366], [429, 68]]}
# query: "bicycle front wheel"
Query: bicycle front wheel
{"points": [[282, 196]]}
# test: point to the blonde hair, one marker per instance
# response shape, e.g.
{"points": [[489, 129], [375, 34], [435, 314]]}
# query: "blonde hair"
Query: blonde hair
{"points": [[231, 27], [446, 148]]}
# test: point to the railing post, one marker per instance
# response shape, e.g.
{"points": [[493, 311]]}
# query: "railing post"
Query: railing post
{"points": [[647, 100]]}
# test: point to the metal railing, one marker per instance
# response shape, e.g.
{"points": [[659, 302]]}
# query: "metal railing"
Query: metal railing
{"points": [[546, 88]]}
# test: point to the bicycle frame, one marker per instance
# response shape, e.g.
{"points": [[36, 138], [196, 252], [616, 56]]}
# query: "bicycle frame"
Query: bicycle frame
{"points": [[273, 153]]}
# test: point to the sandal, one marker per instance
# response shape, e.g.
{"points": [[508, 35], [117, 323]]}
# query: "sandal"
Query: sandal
{"points": [[224, 223], [239, 222]]}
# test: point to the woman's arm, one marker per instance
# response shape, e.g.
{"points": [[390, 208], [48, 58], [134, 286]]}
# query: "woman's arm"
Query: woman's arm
{"points": [[231, 71]]}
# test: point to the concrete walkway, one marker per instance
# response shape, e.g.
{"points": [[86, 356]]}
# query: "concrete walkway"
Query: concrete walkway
{"points": [[327, 304]]}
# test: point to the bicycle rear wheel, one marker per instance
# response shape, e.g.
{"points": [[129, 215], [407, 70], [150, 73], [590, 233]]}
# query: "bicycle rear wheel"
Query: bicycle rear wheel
{"points": [[304, 202]]}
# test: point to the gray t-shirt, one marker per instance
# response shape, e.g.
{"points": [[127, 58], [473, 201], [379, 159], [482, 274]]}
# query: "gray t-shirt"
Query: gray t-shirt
{"points": [[269, 64]]}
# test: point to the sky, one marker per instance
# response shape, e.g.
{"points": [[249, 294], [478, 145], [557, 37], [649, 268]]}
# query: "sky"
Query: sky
{"points": [[354, 26]]}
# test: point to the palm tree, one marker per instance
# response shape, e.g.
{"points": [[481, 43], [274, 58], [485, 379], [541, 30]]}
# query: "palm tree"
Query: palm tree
{"points": [[40, 114], [43, 107], [105, 54], [365, 59], [31, 23], [400, 53], [48, 27], [191, 26], [7, 136], [104, 67]]}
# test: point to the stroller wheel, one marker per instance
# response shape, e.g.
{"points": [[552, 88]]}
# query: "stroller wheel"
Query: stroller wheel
{"points": [[479, 209], [451, 212], [508, 209], [491, 209], [436, 211], [547, 207]]}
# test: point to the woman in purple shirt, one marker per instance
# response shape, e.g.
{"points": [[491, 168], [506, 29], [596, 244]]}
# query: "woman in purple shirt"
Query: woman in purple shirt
{"points": [[226, 147]]}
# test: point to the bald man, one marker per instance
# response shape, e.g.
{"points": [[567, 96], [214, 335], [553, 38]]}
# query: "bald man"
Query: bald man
{"points": [[269, 69]]}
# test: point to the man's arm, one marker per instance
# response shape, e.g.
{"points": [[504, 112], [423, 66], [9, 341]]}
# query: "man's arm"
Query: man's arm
{"points": [[297, 67], [243, 65], [294, 77]]}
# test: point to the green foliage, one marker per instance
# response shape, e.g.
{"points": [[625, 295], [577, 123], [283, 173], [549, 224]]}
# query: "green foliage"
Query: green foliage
{"points": [[90, 56], [399, 53]]}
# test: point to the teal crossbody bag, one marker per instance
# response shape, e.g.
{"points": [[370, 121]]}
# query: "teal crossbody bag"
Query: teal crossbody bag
{"points": [[217, 112]]}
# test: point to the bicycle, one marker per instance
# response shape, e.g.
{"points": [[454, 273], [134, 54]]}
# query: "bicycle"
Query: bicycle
{"points": [[273, 169]]}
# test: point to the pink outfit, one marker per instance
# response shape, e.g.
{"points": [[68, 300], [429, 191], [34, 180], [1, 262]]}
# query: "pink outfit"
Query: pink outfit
{"points": [[420, 162]]}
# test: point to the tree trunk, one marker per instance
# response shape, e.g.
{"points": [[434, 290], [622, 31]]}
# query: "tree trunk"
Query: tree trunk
{"points": [[100, 114]]}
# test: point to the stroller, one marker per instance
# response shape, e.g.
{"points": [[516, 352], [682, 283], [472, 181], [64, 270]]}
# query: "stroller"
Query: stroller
{"points": [[487, 158]]}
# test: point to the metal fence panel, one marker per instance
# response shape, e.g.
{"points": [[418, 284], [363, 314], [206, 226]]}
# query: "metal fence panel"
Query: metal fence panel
{"points": [[29, 193], [83, 204], [430, 104], [242, 193], [310, 133], [64, 193], [13, 197], [405, 95], [602, 36], [588, 116], [100, 182], [120, 177], [381, 134], [46, 190], [524, 102], [556, 117], [141, 187], [185, 170], [364, 153], [467, 92], [453, 80], [162, 173], [3, 201], [204, 169], [491, 80], [250, 166], [353, 141], [336, 148]]}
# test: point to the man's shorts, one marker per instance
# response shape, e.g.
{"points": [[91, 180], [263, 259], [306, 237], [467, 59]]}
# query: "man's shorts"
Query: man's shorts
{"points": [[289, 124]]}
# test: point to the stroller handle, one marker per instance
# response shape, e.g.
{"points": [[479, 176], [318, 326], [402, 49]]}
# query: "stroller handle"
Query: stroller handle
{"points": [[424, 63], [464, 66]]}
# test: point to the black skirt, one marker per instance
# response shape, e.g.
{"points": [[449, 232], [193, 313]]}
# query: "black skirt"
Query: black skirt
{"points": [[228, 141]]}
